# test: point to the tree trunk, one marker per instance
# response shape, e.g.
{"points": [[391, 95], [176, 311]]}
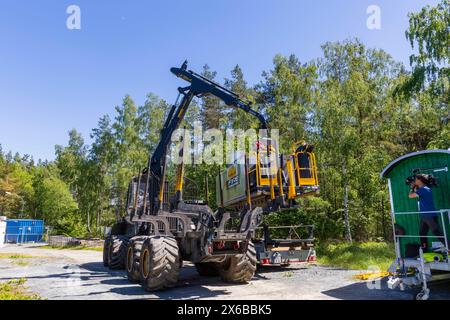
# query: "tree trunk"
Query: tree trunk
{"points": [[88, 221], [118, 208], [348, 234], [385, 234]]}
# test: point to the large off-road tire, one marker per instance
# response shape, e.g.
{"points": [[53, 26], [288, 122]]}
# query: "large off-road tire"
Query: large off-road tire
{"points": [[133, 258], [159, 263], [118, 252], [208, 269], [106, 246], [239, 268]]}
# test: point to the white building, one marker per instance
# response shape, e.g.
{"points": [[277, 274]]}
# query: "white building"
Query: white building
{"points": [[2, 231]]}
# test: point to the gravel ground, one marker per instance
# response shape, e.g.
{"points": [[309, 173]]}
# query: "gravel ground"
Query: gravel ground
{"points": [[79, 274]]}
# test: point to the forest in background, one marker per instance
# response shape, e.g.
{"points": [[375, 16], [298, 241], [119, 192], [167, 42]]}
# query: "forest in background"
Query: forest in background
{"points": [[359, 107]]}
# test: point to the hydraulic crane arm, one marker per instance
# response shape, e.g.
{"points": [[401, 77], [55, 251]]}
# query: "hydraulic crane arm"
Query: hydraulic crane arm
{"points": [[203, 86], [199, 86]]}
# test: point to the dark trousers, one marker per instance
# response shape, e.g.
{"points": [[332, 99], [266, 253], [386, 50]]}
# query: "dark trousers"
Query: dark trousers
{"points": [[427, 223]]}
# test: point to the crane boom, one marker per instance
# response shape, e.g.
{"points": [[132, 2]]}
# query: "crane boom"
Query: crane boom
{"points": [[199, 87]]}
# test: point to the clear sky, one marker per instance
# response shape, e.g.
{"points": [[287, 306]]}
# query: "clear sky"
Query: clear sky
{"points": [[53, 79]]}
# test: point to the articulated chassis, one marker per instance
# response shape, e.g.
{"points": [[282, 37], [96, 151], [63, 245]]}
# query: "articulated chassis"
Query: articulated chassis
{"points": [[190, 233], [200, 235]]}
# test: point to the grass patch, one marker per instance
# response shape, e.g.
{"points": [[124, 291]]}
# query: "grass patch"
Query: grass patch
{"points": [[15, 256], [357, 256], [21, 263], [72, 248], [15, 290]]}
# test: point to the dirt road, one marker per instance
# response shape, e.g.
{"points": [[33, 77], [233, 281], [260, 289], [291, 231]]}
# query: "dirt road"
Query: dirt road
{"points": [[79, 274]]}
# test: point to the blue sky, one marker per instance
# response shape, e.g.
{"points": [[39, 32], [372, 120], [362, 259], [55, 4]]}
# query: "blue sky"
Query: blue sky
{"points": [[53, 79]]}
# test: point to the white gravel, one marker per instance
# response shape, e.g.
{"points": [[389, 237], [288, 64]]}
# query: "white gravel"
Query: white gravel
{"points": [[79, 274]]}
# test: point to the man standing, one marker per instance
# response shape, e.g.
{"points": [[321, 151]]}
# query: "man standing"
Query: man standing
{"points": [[428, 214]]}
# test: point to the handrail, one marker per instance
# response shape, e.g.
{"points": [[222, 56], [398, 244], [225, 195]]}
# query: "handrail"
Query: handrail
{"points": [[444, 231], [417, 212], [292, 231], [419, 236], [312, 168]]}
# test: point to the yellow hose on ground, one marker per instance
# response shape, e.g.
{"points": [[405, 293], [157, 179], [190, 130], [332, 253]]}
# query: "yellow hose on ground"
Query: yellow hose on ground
{"points": [[372, 275]]}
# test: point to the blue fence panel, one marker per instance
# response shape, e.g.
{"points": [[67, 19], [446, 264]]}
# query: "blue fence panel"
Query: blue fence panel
{"points": [[24, 230]]}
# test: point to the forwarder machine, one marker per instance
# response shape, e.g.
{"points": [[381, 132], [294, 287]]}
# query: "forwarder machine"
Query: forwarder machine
{"points": [[158, 233]]}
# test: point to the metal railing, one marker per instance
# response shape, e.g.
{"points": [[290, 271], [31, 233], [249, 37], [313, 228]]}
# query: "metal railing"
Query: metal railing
{"points": [[23, 237], [24, 234], [441, 213], [291, 232]]}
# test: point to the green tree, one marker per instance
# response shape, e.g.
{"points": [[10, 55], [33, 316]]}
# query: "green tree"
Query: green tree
{"points": [[151, 118], [70, 161], [101, 158], [354, 98], [429, 83], [58, 207], [237, 119], [429, 33], [129, 157], [287, 94], [214, 115]]}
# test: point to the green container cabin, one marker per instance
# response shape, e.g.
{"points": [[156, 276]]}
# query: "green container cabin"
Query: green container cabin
{"points": [[404, 211]]}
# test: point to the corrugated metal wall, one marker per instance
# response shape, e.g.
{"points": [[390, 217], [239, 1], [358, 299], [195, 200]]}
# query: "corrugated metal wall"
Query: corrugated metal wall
{"points": [[402, 203], [23, 230]]}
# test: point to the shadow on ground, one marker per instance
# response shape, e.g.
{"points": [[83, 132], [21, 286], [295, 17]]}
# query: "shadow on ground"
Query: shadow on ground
{"points": [[380, 291], [190, 284], [377, 290]]}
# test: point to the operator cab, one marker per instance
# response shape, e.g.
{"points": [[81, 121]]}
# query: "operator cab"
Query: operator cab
{"points": [[304, 165]]}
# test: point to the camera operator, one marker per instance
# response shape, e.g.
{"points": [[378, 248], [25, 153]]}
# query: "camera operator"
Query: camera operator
{"points": [[420, 188]]}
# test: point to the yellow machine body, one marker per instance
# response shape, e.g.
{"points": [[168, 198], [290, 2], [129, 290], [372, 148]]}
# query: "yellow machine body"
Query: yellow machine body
{"points": [[292, 178]]}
